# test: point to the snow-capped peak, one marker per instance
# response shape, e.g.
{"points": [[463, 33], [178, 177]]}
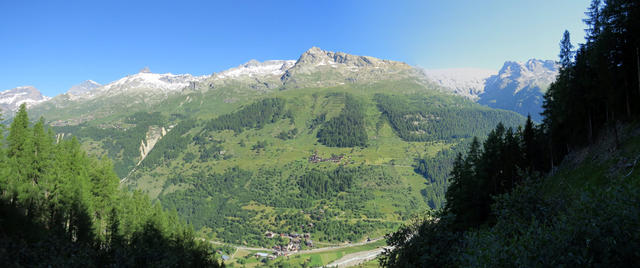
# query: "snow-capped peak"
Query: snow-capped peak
{"points": [[254, 68], [533, 71], [11, 99], [148, 82]]}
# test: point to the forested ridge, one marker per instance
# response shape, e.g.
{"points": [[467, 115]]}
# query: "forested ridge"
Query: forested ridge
{"points": [[422, 118], [563, 193], [255, 115], [61, 207]]}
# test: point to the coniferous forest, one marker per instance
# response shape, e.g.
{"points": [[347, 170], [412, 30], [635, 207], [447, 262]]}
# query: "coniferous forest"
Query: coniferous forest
{"points": [[509, 204], [61, 207], [347, 129]]}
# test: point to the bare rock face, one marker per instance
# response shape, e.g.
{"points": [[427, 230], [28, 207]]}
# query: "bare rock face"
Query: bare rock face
{"points": [[317, 67], [154, 134]]}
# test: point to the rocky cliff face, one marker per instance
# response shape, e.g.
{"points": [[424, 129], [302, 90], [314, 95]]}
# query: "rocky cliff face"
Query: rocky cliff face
{"points": [[317, 67]]}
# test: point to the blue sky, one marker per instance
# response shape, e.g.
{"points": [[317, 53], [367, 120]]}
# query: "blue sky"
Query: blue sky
{"points": [[53, 45]]}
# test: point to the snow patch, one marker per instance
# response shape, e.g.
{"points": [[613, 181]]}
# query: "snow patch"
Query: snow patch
{"points": [[255, 68]]}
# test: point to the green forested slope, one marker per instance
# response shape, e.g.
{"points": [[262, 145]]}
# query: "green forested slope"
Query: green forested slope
{"points": [[60, 207], [236, 166]]}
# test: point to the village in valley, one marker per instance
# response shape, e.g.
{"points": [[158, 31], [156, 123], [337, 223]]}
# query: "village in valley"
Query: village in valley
{"points": [[295, 244]]}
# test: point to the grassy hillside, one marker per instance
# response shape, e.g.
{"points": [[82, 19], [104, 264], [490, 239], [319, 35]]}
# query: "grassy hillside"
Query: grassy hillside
{"points": [[237, 166]]}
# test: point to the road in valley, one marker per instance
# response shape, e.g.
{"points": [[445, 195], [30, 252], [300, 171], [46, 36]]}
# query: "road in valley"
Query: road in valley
{"points": [[354, 259], [306, 251]]}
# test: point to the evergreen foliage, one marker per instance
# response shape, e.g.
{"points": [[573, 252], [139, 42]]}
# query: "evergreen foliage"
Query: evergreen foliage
{"points": [[318, 184], [314, 195], [60, 207], [255, 115], [600, 86], [348, 129], [422, 118], [437, 170]]}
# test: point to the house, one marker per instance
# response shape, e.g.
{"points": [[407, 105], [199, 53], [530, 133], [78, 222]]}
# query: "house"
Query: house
{"points": [[261, 255], [225, 257]]}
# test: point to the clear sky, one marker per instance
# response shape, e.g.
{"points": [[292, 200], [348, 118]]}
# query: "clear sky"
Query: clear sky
{"points": [[53, 45]]}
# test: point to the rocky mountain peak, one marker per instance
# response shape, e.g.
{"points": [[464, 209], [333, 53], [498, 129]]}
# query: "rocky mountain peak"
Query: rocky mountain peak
{"points": [[145, 70], [316, 56], [83, 87], [318, 67], [520, 86], [532, 67], [11, 99]]}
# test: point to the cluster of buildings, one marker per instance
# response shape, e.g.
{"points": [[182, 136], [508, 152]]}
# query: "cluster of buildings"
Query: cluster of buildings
{"points": [[315, 158], [295, 242]]}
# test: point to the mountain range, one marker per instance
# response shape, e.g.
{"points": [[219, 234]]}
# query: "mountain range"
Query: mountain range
{"points": [[322, 144], [517, 86]]}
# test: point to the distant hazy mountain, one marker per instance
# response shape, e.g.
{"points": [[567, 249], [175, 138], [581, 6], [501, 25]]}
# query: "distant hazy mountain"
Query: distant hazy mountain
{"points": [[11, 99], [518, 86], [468, 82]]}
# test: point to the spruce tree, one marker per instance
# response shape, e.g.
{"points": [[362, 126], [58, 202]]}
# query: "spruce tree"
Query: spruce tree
{"points": [[566, 52], [18, 132]]}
